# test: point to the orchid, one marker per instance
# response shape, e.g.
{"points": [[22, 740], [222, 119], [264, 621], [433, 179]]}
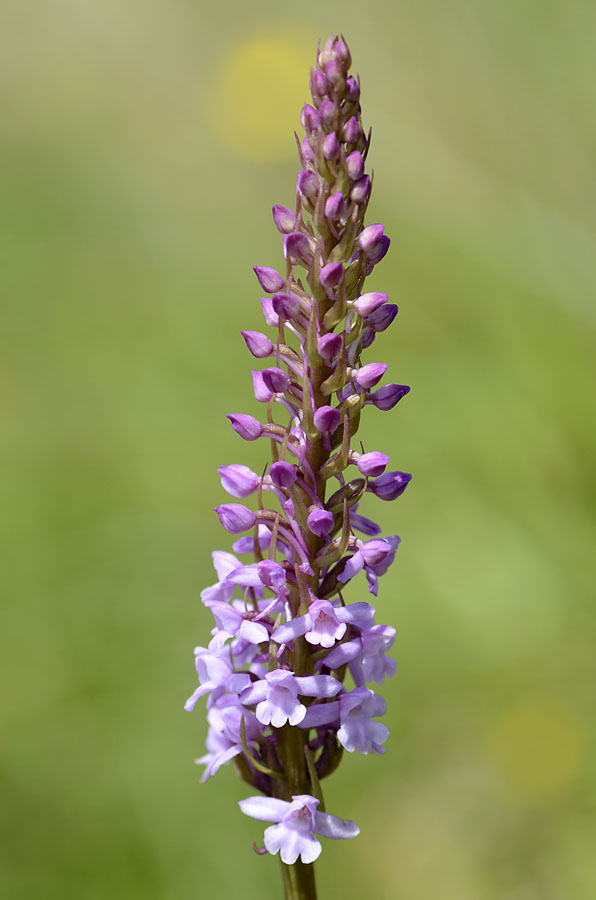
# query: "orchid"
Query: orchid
{"points": [[285, 643]]}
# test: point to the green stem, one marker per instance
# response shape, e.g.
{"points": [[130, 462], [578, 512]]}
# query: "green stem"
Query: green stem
{"points": [[299, 881]]}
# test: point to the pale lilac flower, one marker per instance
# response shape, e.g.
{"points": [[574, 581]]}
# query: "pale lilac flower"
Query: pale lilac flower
{"points": [[276, 695], [323, 624], [354, 711], [298, 822]]}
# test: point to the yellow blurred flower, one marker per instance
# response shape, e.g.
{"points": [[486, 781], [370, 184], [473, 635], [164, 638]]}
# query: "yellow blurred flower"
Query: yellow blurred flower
{"points": [[537, 747], [254, 102]]}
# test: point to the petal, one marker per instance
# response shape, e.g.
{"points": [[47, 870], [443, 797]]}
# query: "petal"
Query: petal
{"points": [[343, 654], [351, 568], [255, 693], [192, 700], [320, 714], [333, 827], [355, 612], [224, 563], [318, 685], [247, 576], [267, 809], [291, 630], [253, 632]]}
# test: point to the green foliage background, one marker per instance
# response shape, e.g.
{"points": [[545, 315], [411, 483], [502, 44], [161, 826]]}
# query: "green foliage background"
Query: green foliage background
{"points": [[137, 179]]}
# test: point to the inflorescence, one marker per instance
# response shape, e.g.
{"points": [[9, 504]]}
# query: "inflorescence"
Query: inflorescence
{"points": [[275, 671]]}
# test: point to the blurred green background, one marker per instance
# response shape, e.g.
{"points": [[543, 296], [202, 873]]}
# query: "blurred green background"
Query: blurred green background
{"points": [[144, 143]]}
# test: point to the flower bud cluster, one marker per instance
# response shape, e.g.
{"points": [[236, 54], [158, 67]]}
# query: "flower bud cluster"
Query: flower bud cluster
{"points": [[285, 644]]}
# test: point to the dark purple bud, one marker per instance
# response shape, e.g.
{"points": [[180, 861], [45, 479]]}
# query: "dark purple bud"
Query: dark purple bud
{"points": [[342, 54], [239, 481], [307, 151], [269, 279], [334, 207], [309, 118], [390, 485], [269, 314], [335, 75], [286, 305], [352, 89], [261, 391], [375, 552], [329, 346], [361, 190], [320, 521], [297, 246], [382, 318], [368, 337], [372, 464], [331, 275], [308, 185], [379, 251], [235, 518], [367, 303], [258, 343], [331, 146], [320, 85], [326, 418], [284, 218], [247, 427], [369, 375], [283, 474], [351, 131], [369, 238], [355, 165], [390, 394], [328, 113], [276, 379]]}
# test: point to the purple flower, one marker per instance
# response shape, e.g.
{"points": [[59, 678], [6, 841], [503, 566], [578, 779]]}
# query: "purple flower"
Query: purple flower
{"points": [[276, 695], [286, 670], [366, 655], [223, 739], [354, 711], [298, 822], [323, 624], [374, 557]]}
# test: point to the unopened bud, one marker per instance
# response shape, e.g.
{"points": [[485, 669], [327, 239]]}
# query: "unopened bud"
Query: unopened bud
{"points": [[326, 418], [269, 279], [258, 343], [355, 165], [247, 427], [276, 379], [235, 518], [283, 474], [284, 218]]}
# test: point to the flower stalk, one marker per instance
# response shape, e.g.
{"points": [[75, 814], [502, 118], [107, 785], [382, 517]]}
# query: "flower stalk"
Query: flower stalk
{"points": [[286, 645]]}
